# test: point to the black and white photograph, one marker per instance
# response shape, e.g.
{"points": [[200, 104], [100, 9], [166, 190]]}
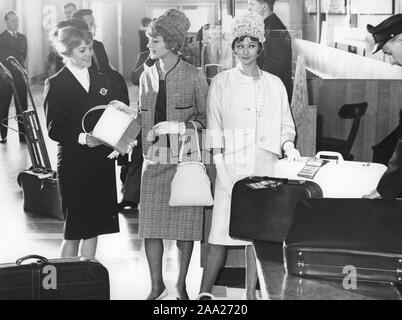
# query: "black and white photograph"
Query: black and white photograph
{"points": [[225, 151]]}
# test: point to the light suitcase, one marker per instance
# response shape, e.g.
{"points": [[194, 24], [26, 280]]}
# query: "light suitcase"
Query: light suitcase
{"points": [[338, 178], [336, 238], [56, 279], [262, 207]]}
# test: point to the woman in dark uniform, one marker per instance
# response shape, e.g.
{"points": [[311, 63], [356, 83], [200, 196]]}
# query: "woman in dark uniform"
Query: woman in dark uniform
{"points": [[172, 93], [86, 176]]}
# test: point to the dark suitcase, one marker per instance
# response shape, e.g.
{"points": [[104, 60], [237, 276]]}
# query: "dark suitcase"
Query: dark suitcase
{"points": [[40, 192], [334, 238], [56, 279], [262, 207]]}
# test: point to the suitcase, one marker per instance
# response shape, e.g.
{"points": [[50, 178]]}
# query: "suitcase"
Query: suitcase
{"points": [[331, 238], [262, 207], [56, 279], [40, 192], [337, 178]]}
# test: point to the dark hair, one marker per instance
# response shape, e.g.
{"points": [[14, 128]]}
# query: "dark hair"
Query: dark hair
{"points": [[82, 13], [79, 24], [70, 4], [9, 13], [64, 40], [239, 39], [270, 3], [145, 21], [171, 43]]}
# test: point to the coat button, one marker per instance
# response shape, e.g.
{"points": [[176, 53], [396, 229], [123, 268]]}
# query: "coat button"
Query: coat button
{"points": [[263, 139]]}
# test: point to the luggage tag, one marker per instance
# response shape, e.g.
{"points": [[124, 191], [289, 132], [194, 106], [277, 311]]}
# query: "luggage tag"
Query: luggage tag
{"points": [[311, 168], [265, 184]]}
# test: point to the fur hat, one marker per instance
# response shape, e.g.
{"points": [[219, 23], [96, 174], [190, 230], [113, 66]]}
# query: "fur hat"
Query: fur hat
{"points": [[175, 23], [250, 24]]}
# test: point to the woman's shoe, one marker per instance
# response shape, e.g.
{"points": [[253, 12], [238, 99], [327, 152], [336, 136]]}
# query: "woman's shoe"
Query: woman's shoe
{"points": [[205, 296], [162, 295]]}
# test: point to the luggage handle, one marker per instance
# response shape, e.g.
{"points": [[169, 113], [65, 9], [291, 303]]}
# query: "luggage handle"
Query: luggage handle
{"points": [[330, 154], [31, 256], [89, 111], [117, 105]]}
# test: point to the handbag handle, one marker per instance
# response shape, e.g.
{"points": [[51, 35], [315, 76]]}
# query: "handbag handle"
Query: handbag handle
{"points": [[88, 112], [31, 256], [197, 142]]}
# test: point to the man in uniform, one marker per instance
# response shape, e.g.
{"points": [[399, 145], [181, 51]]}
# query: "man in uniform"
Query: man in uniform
{"points": [[12, 43], [277, 55], [388, 38]]}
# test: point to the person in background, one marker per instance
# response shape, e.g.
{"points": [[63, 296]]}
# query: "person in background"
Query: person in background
{"points": [[87, 179], [141, 33], [172, 93], [388, 38], [277, 55], [252, 104], [69, 9], [12, 43], [100, 60]]}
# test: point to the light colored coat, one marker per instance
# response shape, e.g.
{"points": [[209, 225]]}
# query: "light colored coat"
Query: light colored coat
{"points": [[233, 123]]}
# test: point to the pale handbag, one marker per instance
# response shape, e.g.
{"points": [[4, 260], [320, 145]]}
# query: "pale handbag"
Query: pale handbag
{"points": [[116, 127], [191, 185]]}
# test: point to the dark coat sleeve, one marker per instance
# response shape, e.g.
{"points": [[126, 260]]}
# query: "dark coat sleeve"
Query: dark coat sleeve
{"points": [[55, 121], [390, 185]]}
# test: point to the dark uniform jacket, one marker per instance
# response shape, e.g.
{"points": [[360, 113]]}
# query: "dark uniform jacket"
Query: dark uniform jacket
{"points": [[277, 55], [10, 46], [390, 185]]}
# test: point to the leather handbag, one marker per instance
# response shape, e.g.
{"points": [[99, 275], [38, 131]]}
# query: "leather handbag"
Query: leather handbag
{"points": [[116, 127], [191, 185]]}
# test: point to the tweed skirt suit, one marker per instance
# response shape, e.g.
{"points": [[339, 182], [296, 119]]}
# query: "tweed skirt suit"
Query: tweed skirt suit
{"points": [[184, 96]]}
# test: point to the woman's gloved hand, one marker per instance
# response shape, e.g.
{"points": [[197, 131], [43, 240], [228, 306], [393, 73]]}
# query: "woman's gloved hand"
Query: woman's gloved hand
{"points": [[92, 142], [223, 176], [168, 127], [372, 195], [291, 152]]}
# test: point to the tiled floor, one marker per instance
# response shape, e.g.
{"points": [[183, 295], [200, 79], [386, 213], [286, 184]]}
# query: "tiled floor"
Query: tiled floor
{"points": [[122, 253]]}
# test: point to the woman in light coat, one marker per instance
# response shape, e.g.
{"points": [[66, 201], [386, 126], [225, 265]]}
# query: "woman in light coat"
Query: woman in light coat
{"points": [[249, 125]]}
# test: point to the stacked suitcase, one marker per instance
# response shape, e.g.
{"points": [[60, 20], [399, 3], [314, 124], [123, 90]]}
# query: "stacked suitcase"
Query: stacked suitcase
{"points": [[327, 230]]}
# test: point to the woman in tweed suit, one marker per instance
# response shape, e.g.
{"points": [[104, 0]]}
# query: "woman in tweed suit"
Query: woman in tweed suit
{"points": [[172, 92]]}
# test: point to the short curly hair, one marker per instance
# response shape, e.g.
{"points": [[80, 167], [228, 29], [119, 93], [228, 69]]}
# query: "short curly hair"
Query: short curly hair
{"points": [[64, 40]]}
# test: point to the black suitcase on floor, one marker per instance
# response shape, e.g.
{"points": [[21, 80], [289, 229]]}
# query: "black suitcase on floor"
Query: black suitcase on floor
{"points": [[41, 195], [262, 207], [56, 279], [333, 238]]}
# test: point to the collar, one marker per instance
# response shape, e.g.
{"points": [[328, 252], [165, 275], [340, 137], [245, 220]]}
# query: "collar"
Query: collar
{"points": [[12, 32], [76, 71]]}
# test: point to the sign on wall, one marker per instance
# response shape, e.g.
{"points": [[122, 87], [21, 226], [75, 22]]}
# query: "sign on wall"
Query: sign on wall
{"points": [[372, 6]]}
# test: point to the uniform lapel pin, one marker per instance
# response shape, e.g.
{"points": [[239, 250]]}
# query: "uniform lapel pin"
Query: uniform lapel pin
{"points": [[103, 91]]}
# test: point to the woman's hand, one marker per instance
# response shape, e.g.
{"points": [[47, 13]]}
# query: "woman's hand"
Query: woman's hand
{"points": [[293, 155], [372, 195], [169, 127], [291, 152], [92, 142]]}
